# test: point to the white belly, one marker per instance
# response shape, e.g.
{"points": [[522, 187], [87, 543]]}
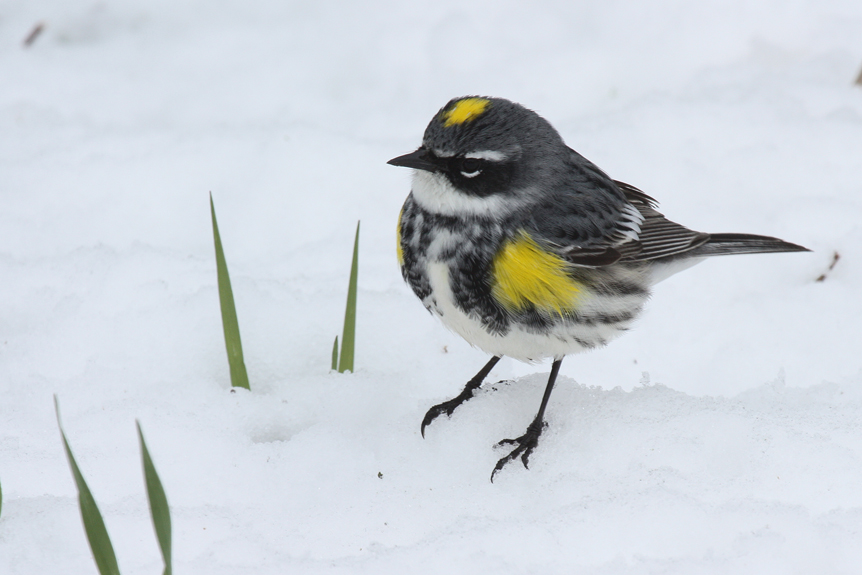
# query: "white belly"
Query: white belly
{"points": [[562, 339]]}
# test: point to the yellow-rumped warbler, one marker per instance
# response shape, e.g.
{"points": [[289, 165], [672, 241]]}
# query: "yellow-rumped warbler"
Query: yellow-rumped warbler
{"points": [[525, 248]]}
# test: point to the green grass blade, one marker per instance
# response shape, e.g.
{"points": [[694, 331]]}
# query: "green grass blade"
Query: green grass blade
{"points": [[94, 525], [348, 336], [159, 510], [335, 354], [238, 374]]}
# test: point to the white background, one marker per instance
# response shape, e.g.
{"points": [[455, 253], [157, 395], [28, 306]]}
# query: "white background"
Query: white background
{"points": [[722, 435]]}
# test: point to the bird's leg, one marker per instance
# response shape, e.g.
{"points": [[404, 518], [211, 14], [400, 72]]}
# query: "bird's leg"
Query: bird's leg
{"points": [[528, 442], [448, 407]]}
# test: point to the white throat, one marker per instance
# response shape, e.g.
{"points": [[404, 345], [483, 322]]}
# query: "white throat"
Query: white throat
{"points": [[434, 193]]}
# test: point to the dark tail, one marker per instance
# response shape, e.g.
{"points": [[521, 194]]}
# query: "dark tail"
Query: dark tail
{"points": [[727, 244]]}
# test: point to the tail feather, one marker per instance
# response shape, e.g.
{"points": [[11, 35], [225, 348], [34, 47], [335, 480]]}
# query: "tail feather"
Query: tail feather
{"points": [[728, 244]]}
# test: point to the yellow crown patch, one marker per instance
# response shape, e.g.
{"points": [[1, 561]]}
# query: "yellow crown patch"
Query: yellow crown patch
{"points": [[465, 110], [524, 274]]}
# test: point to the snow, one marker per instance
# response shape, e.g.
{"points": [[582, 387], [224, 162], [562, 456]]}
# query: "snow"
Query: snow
{"points": [[722, 435]]}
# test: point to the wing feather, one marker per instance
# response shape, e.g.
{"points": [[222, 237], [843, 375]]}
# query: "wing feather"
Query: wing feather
{"points": [[659, 237]]}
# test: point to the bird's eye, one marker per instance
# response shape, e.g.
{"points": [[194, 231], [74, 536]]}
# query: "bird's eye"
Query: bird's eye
{"points": [[470, 167]]}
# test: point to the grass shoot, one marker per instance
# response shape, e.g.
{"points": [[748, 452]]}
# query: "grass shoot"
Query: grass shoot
{"points": [[94, 525], [230, 323], [344, 360], [159, 510]]}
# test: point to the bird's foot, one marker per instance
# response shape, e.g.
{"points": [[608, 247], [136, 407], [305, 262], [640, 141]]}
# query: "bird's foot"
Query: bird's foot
{"points": [[446, 407], [524, 446]]}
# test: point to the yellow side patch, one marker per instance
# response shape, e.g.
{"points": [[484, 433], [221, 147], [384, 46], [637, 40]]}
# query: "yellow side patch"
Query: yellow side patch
{"points": [[523, 274], [399, 251], [464, 111]]}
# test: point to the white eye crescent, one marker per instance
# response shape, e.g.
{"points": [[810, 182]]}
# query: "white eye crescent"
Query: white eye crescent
{"points": [[470, 167]]}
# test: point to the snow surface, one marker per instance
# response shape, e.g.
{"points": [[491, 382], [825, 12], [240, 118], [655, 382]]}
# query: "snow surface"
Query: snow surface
{"points": [[722, 435]]}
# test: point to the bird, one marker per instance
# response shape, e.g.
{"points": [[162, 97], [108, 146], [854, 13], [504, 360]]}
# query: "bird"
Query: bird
{"points": [[528, 250]]}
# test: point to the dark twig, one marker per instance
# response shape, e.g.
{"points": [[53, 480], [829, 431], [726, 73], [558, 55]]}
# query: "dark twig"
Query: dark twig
{"points": [[34, 33], [835, 257]]}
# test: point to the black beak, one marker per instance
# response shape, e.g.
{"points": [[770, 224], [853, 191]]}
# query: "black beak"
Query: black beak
{"points": [[419, 160]]}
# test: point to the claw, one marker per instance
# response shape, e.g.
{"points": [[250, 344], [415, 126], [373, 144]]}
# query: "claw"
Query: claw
{"points": [[447, 407], [525, 446]]}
